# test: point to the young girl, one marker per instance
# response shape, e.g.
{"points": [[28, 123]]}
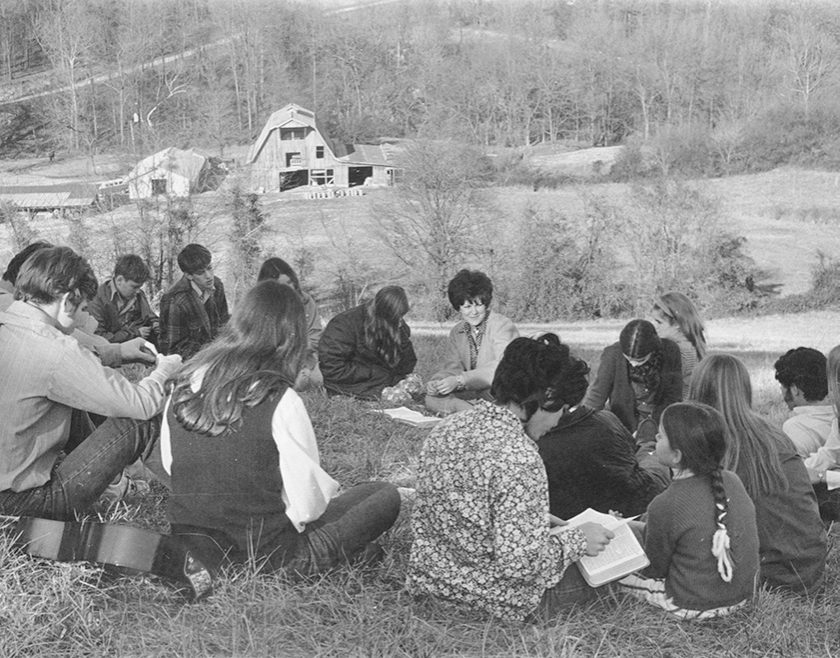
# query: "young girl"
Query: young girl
{"points": [[637, 378], [367, 348], [792, 541], [677, 319], [246, 479], [700, 536]]}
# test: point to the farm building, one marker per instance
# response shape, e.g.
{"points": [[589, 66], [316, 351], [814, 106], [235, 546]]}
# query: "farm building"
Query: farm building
{"points": [[49, 198], [293, 151], [170, 172]]}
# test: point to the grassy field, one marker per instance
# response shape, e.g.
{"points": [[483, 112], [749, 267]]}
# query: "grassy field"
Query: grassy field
{"points": [[49, 609]]}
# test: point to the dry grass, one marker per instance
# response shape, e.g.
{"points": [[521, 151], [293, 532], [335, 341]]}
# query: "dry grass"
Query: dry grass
{"points": [[74, 610]]}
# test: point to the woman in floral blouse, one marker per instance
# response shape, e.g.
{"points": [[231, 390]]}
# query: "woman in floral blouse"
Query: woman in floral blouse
{"points": [[482, 532]]}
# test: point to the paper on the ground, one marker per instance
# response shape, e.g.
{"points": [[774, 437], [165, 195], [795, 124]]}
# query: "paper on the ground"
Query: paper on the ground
{"points": [[622, 556], [411, 417]]}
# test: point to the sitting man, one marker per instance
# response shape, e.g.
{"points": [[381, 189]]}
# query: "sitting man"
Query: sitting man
{"points": [[121, 307], [802, 375], [194, 309], [110, 355], [475, 347], [47, 468]]}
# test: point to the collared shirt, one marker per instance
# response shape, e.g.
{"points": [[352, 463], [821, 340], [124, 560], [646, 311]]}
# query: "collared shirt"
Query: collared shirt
{"points": [[123, 305], [203, 295], [481, 530], [45, 375], [474, 338], [827, 457], [809, 426]]}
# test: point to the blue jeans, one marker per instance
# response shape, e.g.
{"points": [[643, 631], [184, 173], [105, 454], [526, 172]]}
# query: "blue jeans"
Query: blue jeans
{"points": [[350, 522], [78, 479]]}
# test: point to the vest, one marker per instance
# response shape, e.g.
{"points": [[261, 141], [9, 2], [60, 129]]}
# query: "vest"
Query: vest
{"points": [[231, 485]]}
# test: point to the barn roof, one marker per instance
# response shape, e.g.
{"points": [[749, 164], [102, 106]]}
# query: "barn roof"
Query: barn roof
{"points": [[370, 154], [43, 197], [185, 163]]}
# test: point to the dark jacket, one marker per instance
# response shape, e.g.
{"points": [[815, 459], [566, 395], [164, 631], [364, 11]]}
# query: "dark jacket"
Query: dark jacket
{"points": [[350, 367], [612, 388], [590, 462], [187, 325], [116, 327]]}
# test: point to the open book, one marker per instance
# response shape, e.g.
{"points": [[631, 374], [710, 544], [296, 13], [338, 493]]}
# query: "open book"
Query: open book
{"points": [[622, 556], [410, 417]]}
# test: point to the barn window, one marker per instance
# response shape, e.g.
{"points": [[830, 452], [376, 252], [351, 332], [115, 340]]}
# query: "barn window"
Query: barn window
{"points": [[291, 133], [319, 152], [158, 186]]}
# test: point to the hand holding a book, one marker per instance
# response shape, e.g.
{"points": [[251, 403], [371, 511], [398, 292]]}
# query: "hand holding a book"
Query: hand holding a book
{"points": [[597, 537]]}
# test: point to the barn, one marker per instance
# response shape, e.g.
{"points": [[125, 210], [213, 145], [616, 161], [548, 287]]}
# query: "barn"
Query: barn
{"points": [[293, 151], [171, 172]]}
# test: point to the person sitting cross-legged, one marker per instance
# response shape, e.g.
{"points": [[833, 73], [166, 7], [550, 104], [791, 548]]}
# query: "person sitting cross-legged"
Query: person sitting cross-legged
{"points": [[474, 348], [120, 305], [50, 466]]}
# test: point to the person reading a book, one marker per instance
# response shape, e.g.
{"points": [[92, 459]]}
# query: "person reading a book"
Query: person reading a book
{"points": [[791, 537], [588, 454], [700, 535], [483, 536], [246, 479]]}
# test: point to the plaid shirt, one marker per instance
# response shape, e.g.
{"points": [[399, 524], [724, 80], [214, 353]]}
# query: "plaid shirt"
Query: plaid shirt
{"points": [[119, 320], [187, 325]]}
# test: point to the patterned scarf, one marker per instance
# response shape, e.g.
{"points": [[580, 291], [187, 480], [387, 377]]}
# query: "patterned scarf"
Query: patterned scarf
{"points": [[474, 339]]}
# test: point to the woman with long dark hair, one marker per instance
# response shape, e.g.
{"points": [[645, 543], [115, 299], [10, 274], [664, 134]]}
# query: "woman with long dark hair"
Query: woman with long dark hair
{"points": [[367, 348], [637, 378], [792, 541], [238, 442]]}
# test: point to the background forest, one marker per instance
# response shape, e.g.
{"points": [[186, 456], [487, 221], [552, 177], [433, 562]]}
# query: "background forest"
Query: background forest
{"points": [[689, 90]]}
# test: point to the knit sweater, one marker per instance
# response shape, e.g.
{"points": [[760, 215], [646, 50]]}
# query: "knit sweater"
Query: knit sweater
{"points": [[678, 542]]}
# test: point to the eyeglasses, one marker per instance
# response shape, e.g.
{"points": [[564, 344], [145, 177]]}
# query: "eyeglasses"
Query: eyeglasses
{"points": [[472, 306]]}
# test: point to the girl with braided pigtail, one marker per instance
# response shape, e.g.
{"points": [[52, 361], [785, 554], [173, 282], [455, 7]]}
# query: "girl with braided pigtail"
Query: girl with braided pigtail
{"points": [[700, 535]]}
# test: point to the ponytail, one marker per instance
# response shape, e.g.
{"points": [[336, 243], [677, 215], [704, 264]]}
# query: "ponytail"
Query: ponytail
{"points": [[720, 540]]}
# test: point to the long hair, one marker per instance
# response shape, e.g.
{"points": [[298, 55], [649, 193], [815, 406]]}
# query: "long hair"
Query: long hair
{"points": [[752, 446], [699, 431], [384, 323], [258, 352], [833, 372], [638, 339], [682, 311], [274, 268]]}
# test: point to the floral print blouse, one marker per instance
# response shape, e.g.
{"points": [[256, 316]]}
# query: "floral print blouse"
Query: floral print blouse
{"points": [[481, 531]]}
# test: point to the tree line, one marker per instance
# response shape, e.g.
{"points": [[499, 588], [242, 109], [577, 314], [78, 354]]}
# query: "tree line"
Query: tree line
{"points": [[672, 74]]}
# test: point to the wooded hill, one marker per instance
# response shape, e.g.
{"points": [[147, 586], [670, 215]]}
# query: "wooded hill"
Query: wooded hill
{"points": [[713, 86]]}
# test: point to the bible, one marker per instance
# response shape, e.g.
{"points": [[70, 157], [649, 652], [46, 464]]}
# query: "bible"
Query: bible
{"points": [[622, 556]]}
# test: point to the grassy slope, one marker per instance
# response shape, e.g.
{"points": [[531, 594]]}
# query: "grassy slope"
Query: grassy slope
{"points": [[70, 610]]}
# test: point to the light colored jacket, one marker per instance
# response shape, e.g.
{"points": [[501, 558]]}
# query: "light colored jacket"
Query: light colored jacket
{"points": [[500, 331]]}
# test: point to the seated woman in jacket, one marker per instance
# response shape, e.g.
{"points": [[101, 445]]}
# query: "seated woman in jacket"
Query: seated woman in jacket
{"points": [[588, 454], [367, 348], [475, 347], [637, 378]]}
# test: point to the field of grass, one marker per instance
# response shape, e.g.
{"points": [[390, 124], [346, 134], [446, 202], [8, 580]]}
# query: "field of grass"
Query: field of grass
{"points": [[49, 609]]}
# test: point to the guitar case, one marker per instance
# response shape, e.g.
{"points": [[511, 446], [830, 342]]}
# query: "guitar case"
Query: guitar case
{"points": [[119, 548]]}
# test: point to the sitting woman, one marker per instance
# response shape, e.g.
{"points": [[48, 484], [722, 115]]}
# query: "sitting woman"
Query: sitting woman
{"points": [[677, 319], [279, 270], [236, 438], [367, 348], [792, 541], [700, 535], [637, 378], [475, 345], [482, 531], [588, 454]]}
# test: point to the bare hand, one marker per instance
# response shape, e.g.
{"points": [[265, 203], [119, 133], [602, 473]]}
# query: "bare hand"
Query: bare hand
{"points": [[137, 349], [432, 387], [446, 385], [597, 537], [145, 332], [169, 364]]}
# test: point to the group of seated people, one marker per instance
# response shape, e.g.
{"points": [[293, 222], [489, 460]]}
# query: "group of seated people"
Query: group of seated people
{"points": [[664, 429]]}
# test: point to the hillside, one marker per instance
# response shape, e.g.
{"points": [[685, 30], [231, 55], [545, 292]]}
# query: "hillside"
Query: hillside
{"points": [[787, 216]]}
